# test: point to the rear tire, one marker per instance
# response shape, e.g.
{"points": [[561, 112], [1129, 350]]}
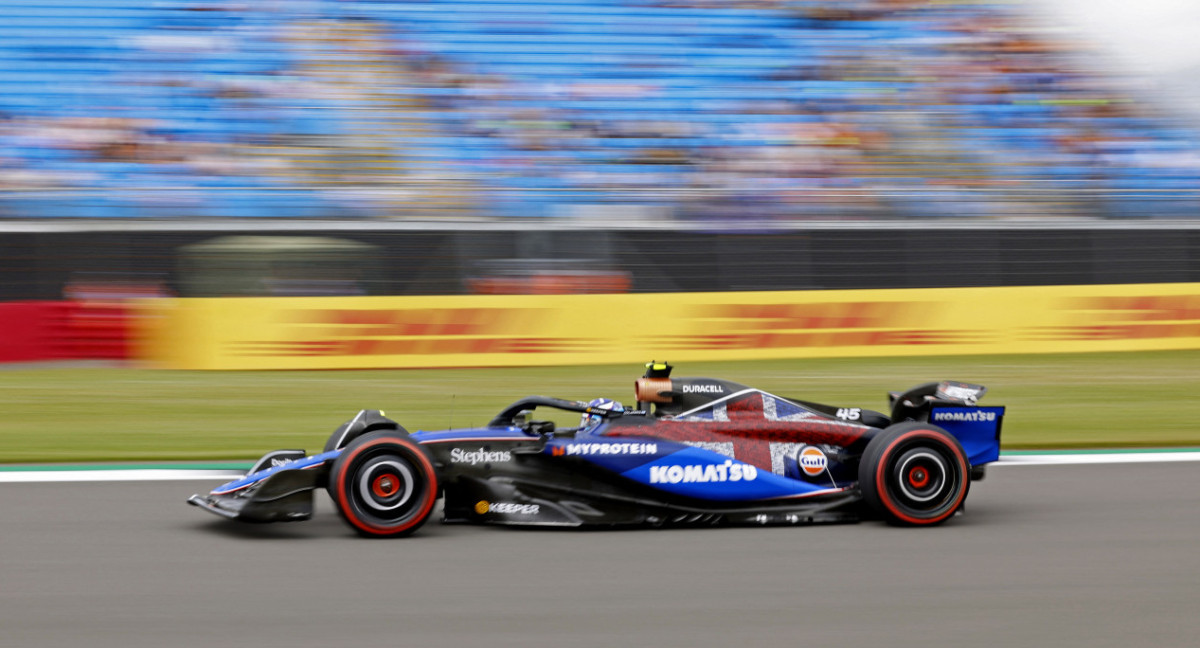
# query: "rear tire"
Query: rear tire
{"points": [[914, 474], [383, 485]]}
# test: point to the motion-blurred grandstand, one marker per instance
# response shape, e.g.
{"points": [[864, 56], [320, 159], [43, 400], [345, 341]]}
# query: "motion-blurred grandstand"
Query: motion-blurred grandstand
{"points": [[682, 109]]}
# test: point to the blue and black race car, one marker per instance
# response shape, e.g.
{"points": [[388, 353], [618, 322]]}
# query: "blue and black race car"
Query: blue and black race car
{"points": [[694, 451]]}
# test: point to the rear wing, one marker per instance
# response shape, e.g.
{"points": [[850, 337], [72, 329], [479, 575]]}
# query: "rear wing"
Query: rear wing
{"points": [[953, 407], [976, 428]]}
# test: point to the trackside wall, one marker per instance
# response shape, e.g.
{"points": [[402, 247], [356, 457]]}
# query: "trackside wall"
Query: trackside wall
{"points": [[459, 331], [33, 331]]}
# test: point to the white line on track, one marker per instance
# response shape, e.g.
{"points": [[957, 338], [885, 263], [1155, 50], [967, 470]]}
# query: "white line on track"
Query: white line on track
{"points": [[1097, 458], [166, 474], [151, 474]]}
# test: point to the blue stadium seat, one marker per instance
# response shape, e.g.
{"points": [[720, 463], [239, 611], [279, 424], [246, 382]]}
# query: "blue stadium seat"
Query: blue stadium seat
{"points": [[290, 88]]}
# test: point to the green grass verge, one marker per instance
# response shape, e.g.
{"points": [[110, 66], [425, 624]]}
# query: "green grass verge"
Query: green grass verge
{"points": [[56, 414]]}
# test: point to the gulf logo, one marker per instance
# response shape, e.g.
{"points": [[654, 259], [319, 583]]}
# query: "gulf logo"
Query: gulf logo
{"points": [[812, 461]]}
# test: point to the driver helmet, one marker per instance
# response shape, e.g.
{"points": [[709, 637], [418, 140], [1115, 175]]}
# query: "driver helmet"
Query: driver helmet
{"points": [[589, 421]]}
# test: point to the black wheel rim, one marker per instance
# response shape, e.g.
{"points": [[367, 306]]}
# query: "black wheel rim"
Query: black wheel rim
{"points": [[385, 489], [923, 479]]}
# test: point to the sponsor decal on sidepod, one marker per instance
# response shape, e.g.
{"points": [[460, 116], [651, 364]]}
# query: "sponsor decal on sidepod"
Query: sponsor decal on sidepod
{"points": [[587, 449], [726, 472], [458, 455], [812, 461]]}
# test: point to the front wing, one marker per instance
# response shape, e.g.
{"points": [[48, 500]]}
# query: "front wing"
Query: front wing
{"points": [[280, 493]]}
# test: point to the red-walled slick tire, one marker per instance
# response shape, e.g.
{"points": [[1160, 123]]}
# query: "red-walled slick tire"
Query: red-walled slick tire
{"points": [[914, 474], [383, 485]]}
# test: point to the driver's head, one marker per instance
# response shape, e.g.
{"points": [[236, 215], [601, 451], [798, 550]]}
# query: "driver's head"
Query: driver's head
{"points": [[588, 421]]}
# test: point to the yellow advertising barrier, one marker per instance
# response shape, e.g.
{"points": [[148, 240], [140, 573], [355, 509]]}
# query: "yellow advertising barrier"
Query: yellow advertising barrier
{"points": [[476, 331]]}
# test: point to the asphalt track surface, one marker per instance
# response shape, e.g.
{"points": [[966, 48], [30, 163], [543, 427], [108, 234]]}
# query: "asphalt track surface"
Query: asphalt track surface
{"points": [[1091, 555]]}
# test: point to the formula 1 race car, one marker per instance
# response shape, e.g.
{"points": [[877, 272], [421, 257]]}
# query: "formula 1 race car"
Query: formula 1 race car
{"points": [[695, 451]]}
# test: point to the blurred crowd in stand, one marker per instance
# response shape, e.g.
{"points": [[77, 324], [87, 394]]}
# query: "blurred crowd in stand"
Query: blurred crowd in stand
{"points": [[711, 110]]}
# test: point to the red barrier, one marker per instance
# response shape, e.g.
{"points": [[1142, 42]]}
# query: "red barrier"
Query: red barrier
{"points": [[64, 330], [98, 330], [22, 332]]}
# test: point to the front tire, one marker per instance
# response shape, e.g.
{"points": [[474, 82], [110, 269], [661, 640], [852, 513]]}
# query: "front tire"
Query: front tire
{"points": [[383, 485], [914, 474]]}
